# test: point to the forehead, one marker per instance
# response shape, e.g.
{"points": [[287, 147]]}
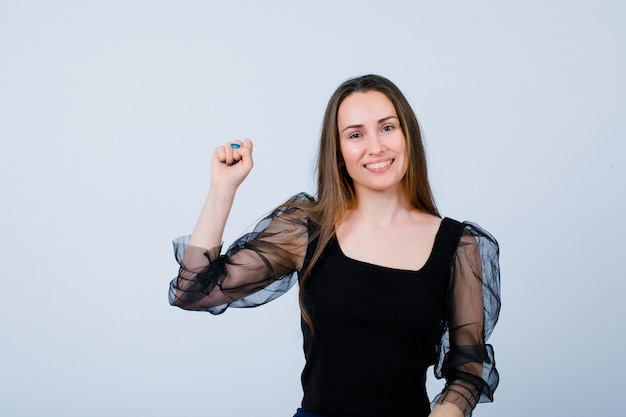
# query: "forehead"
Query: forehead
{"points": [[363, 107]]}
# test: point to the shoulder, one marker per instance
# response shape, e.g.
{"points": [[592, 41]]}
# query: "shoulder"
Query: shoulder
{"points": [[466, 236], [301, 197], [478, 232], [472, 241], [467, 230], [296, 203], [451, 228]]}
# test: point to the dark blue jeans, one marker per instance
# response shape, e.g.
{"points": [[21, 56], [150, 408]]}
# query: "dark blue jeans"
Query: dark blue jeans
{"points": [[302, 413]]}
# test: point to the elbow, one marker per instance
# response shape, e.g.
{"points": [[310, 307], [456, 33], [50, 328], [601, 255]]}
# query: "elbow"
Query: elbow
{"points": [[191, 302], [182, 300], [176, 300], [186, 307], [185, 298]]}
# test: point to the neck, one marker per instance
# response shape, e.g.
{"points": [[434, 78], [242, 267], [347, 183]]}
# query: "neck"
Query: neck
{"points": [[383, 208]]}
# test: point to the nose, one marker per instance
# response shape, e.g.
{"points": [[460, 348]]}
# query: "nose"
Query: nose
{"points": [[375, 145]]}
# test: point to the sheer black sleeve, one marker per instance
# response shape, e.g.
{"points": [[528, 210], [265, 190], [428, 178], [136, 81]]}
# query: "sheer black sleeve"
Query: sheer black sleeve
{"points": [[257, 268], [465, 359]]}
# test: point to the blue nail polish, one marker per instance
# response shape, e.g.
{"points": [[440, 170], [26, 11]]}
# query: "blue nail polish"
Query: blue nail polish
{"points": [[235, 145], [230, 164]]}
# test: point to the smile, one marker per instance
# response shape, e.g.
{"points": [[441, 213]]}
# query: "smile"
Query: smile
{"points": [[379, 165]]}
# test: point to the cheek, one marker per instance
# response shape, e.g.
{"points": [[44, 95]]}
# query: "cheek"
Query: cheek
{"points": [[349, 153], [400, 140], [402, 146], [403, 150]]}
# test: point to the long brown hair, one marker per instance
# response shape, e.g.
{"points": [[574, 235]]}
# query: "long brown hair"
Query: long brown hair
{"points": [[335, 190]]}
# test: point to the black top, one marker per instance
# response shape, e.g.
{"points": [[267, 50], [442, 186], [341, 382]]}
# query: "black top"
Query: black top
{"points": [[377, 329]]}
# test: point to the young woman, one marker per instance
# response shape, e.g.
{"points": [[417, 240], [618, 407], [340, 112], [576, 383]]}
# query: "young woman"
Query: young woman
{"points": [[387, 287]]}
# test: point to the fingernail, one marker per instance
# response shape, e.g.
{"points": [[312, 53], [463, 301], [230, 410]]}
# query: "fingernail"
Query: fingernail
{"points": [[235, 145]]}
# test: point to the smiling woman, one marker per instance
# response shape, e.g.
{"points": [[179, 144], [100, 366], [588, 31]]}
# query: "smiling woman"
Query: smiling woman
{"points": [[387, 287], [372, 147]]}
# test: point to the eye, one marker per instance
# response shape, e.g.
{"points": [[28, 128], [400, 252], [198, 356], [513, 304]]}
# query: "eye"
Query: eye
{"points": [[355, 136], [388, 128]]}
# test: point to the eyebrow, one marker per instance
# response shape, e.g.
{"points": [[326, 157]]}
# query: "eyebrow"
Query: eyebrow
{"points": [[384, 119]]}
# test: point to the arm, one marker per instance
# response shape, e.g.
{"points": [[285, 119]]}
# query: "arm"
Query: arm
{"points": [[473, 307], [446, 410], [226, 177], [256, 268], [230, 165]]}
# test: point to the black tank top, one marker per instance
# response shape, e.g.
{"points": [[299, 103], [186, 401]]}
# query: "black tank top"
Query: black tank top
{"points": [[376, 331]]}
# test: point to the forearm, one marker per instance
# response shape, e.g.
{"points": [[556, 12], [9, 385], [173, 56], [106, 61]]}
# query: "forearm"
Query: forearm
{"points": [[209, 228], [230, 165], [446, 410], [193, 290]]}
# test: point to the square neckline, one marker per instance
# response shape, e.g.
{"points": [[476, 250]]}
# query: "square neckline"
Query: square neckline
{"points": [[438, 237]]}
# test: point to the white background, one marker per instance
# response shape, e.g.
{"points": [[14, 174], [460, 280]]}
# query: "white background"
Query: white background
{"points": [[109, 112]]}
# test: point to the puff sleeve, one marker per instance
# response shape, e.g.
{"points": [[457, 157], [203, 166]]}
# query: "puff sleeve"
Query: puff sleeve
{"points": [[466, 361], [257, 268]]}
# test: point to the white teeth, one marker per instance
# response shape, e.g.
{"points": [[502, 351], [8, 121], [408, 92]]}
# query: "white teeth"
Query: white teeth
{"points": [[378, 165]]}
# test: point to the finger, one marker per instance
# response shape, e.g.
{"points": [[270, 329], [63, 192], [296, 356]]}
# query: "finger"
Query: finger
{"points": [[229, 151], [220, 154], [223, 156], [246, 151], [236, 146], [233, 152], [239, 152]]}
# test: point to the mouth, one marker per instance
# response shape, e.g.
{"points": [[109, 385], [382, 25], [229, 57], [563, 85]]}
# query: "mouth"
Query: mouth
{"points": [[379, 165]]}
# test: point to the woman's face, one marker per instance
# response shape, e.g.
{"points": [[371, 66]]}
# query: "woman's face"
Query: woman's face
{"points": [[371, 141]]}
